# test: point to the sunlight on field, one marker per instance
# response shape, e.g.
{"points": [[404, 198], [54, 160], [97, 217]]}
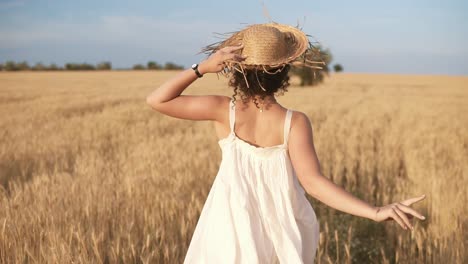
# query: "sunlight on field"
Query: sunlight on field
{"points": [[90, 174]]}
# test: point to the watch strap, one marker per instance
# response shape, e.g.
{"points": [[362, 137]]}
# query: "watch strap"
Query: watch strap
{"points": [[197, 71]]}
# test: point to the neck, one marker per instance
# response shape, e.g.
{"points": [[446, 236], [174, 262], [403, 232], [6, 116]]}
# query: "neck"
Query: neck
{"points": [[270, 99], [265, 103]]}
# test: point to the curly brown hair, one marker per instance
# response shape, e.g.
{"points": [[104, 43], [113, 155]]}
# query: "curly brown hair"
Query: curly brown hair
{"points": [[274, 83]]}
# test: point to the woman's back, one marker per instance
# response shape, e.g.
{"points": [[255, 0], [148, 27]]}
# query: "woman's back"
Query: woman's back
{"points": [[260, 129], [256, 210]]}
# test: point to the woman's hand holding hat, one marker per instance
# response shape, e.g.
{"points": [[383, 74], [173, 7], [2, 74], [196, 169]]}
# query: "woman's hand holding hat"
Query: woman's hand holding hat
{"points": [[216, 62]]}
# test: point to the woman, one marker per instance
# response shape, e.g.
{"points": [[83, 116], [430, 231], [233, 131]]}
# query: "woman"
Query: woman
{"points": [[256, 210]]}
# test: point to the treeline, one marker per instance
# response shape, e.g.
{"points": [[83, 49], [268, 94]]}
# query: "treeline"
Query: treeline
{"points": [[152, 65], [24, 66]]}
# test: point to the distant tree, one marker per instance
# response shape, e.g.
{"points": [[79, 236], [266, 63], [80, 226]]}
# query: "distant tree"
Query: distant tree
{"points": [[10, 66], [79, 66], [23, 66], [153, 66], [173, 66], [1, 66], [53, 67], [105, 65], [70, 66], [311, 76], [338, 68], [138, 67], [39, 67], [86, 66]]}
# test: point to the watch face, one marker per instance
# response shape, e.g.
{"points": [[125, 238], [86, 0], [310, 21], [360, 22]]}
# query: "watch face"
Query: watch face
{"points": [[194, 66]]}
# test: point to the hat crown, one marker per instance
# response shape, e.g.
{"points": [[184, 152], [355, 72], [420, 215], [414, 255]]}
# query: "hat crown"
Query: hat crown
{"points": [[265, 45]]}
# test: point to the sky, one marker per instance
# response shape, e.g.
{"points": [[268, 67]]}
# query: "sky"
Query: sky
{"points": [[400, 36]]}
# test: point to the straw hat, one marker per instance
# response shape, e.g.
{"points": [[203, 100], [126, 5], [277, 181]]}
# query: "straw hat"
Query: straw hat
{"points": [[268, 46]]}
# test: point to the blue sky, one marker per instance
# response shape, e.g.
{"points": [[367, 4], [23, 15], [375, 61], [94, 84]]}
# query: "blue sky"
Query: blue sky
{"points": [[400, 36]]}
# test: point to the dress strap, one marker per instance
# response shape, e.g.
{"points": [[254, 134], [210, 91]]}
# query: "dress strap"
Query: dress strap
{"points": [[232, 115], [287, 126]]}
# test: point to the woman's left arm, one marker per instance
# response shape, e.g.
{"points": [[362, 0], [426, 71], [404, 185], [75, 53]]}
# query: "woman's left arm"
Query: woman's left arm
{"points": [[167, 99]]}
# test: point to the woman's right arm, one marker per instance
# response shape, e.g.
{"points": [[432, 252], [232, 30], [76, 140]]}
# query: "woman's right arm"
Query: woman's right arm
{"points": [[307, 167]]}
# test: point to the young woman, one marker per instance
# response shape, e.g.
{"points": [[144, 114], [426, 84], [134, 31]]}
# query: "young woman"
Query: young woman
{"points": [[256, 210]]}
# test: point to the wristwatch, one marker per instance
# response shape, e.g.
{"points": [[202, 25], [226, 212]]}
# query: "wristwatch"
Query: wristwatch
{"points": [[195, 68]]}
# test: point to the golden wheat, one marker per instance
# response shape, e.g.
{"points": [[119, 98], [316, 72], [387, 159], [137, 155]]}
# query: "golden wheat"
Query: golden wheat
{"points": [[90, 174]]}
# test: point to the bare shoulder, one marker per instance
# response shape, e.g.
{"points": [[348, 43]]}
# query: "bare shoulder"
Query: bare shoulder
{"points": [[220, 100], [300, 123], [223, 100], [300, 134], [222, 107]]}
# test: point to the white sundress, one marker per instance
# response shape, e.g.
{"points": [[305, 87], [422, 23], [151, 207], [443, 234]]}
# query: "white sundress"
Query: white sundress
{"points": [[256, 210]]}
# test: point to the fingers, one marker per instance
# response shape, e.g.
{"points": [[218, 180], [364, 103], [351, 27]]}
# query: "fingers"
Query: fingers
{"points": [[403, 217], [234, 56], [227, 53], [410, 210], [398, 219], [411, 201]]}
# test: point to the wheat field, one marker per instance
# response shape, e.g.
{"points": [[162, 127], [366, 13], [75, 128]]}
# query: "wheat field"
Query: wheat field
{"points": [[90, 174]]}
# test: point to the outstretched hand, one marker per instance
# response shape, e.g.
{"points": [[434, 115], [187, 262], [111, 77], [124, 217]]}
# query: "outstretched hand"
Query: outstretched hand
{"points": [[401, 212], [216, 62]]}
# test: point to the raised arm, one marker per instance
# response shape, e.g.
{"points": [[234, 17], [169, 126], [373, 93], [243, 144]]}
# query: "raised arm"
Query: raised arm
{"points": [[307, 167], [167, 99]]}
